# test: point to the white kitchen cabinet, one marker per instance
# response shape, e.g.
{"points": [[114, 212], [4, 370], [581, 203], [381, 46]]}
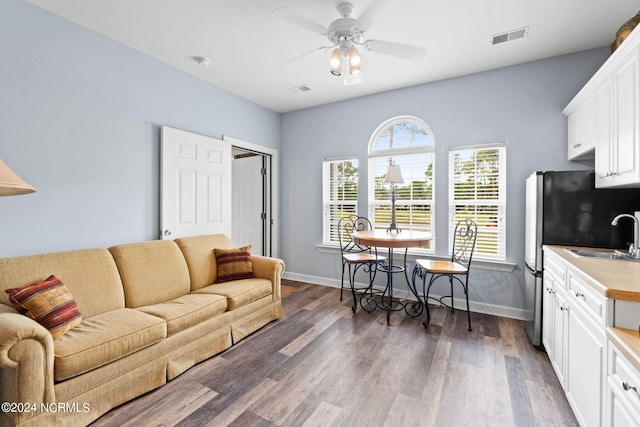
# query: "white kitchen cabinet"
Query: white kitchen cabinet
{"points": [[586, 344], [554, 315], [622, 397], [604, 133], [581, 131], [576, 340], [605, 114], [617, 124]]}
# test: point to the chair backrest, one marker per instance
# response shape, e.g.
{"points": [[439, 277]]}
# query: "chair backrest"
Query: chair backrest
{"points": [[464, 241], [346, 227]]}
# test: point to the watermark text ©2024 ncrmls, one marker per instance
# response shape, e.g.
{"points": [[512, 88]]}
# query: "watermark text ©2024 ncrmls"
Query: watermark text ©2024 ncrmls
{"points": [[22, 407]]}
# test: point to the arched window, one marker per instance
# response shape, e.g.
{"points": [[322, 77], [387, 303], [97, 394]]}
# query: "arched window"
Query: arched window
{"points": [[409, 143]]}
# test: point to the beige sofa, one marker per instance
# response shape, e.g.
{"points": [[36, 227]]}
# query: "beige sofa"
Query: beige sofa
{"points": [[150, 311]]}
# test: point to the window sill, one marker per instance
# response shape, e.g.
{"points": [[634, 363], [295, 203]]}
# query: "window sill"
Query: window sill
{"points": [[413, 254]]}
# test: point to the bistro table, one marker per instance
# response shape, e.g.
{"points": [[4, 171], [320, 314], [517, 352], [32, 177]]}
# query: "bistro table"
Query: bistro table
{"points": [[403, 239]]}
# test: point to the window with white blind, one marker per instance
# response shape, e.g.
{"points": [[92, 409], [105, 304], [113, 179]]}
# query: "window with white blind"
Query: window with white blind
{"points": [[339, 195], [409, 143], [477, 190]]}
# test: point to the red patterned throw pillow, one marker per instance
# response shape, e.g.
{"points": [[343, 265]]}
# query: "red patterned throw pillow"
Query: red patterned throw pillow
{"points": [[49, 303], [234, 264]]}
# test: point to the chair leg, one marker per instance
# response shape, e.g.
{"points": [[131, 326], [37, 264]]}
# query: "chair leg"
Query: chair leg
{"points": [[426, 298], [342, 282], [352, 279], [466, 292], [451, 285]]}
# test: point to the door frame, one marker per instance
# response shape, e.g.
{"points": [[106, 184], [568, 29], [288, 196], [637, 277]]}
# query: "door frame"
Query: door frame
{"points": [[272, 213]]}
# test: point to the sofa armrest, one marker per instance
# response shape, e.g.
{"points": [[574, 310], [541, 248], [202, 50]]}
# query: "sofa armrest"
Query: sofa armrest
{"points": [[26, 361], [269, 268]]}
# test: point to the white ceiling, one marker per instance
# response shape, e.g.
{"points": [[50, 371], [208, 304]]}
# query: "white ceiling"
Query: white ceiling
{"points": [[251, 43]]}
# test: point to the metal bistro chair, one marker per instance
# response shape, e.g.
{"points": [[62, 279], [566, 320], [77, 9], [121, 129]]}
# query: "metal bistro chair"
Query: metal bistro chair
{"points": [[355, 256], [464, 243]]}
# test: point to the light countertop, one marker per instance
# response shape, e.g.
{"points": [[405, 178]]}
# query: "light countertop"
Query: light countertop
{"points": [[628, 342], [615, 279]]}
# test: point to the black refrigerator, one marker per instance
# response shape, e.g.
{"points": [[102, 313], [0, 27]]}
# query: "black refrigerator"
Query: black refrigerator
{"points": [[565, 208]]}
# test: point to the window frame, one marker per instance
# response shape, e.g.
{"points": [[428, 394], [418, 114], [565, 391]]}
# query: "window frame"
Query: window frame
{"points": [[329, 223], [485, 227], [374, 156]]}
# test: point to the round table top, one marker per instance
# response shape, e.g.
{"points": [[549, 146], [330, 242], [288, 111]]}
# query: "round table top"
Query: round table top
{"points": [[403, 239]]}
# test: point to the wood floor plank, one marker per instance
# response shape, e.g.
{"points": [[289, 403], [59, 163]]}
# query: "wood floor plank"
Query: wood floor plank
{"points": [[324, 415], [243, 403], [321, 364]]}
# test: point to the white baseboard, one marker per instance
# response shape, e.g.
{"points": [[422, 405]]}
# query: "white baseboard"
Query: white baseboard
{"points": [[474, 306]]}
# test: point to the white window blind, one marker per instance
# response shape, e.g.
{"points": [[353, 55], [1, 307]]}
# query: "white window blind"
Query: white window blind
{"points": [[477, 190], [408, 142], [414, 198], [339, 195]]}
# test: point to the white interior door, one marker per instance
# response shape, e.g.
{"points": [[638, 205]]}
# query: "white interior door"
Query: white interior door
{"points": [[196, 185], [248, 210]]}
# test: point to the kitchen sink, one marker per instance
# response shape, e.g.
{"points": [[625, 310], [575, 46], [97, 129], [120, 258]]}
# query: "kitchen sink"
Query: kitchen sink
{"points": [[601, 253]]}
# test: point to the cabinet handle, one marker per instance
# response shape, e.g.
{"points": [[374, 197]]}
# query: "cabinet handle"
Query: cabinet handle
{"points": [[551, 291], [577, 145], [564, 308], [627, 387], [580, 294]]}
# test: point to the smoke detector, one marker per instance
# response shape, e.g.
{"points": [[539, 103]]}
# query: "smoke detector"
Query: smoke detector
{"points": [[202, 61]]}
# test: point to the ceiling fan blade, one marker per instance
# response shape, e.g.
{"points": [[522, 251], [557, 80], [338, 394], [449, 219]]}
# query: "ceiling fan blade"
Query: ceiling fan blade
{"points": [[368, 15], [299, 21], [302, 55], [396, 49]]}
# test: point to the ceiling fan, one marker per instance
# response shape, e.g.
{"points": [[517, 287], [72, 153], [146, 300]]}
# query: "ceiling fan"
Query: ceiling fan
{"points": [[346, 34]]}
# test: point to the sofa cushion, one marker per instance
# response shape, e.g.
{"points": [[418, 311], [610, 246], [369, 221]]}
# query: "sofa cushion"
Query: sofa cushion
{"points": [[187, 310], [152, 272], [198, 251], [90, 275], [239, 292], [49, 303], [233, 264], [103, 339]]}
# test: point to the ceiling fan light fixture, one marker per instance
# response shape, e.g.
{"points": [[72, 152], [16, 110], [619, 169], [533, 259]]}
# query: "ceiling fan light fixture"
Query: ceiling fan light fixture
{"points": [[354, 70], [355, 59], [335, 61]]}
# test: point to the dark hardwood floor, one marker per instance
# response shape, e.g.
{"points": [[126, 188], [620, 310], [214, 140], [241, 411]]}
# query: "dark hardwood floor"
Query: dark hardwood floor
{"points": [[321, 365]]}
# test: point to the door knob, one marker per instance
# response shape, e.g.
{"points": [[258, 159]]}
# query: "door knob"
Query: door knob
{"points": [[167, 233]]}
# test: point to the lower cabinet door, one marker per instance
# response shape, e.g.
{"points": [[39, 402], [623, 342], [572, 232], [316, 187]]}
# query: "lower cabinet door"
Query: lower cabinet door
{"points": [[620, 415], [585, 368]]}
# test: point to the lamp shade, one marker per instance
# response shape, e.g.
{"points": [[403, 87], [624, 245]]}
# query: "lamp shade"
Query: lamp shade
{"points": [[11, 184], [394, 175]]}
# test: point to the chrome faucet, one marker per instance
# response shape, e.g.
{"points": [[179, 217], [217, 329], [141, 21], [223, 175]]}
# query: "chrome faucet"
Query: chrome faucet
{"points": [[634, 250]]}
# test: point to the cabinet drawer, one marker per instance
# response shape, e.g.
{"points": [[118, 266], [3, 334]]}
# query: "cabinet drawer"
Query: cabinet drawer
{"points": [[553, 269], [582, 296], [624, 380]]}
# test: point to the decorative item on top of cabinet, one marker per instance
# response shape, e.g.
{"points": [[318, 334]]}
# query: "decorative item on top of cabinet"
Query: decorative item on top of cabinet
{"points": [[624, 31]]}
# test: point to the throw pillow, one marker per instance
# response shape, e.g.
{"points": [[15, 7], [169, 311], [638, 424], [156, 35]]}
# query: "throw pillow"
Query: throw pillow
{"points": [[49, 303], [234, 264]]}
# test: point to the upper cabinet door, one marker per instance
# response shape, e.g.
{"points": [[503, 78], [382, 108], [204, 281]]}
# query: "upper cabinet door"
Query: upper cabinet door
{"points": [[581, 131], [604, 133], [625, 148]]}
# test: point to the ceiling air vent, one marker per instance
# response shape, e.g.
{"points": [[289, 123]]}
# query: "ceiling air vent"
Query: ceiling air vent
{"points": [[511, 35], [300, 89]]}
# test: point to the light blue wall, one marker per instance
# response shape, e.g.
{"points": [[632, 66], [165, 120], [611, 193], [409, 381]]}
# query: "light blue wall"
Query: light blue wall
{"points": [[521, 105], [79, 120]]}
